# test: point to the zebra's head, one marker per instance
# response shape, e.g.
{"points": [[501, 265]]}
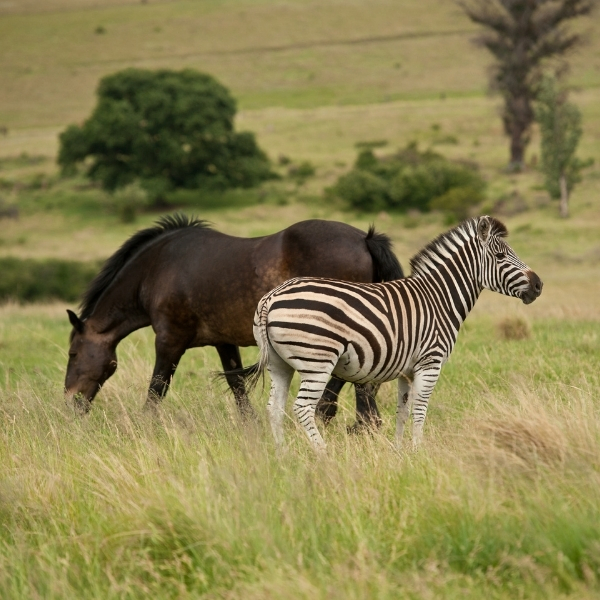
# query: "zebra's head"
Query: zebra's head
{"points": [[501, 269]]}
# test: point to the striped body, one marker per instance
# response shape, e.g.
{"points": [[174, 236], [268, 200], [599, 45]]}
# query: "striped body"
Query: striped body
{"points": [[403, 329], [365, 332]]}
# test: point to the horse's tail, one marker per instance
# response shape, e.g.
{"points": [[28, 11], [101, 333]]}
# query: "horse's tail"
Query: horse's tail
{"points": [[385, 264]]}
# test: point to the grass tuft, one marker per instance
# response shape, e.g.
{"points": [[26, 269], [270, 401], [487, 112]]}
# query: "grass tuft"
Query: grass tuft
{"points": [[514, 328]]}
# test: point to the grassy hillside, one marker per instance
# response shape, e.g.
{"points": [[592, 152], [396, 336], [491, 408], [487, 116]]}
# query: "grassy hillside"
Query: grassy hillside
{"points": [[269, 53], [503, 500]]}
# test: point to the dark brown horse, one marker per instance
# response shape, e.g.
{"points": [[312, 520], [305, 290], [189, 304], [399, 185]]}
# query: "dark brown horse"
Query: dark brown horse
{"points": [[198, 287]]}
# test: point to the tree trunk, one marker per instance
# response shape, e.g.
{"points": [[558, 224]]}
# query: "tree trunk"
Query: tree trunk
{"points": [[564, 197], [517, 149]]}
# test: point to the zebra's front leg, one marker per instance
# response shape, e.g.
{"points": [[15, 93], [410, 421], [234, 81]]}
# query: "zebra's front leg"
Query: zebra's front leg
{"points": [[403, 410], [281, 376], [423, 383], [312, 386]]}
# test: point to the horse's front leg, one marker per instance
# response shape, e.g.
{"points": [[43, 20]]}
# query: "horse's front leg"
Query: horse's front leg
{"points": [[169, 351], [231, 360]]}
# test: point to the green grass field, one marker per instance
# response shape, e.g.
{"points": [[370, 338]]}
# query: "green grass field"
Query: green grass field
{"points": [[503, 499]]}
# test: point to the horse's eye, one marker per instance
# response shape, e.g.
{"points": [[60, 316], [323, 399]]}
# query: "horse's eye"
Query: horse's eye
{"points": [[72, 354], [500, 255]]}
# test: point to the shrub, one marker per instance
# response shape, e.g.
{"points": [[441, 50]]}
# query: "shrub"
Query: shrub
{"points": [[28, 280], [300, 173], [409, 179], [457, 202], [128, 201], [362, 190]]}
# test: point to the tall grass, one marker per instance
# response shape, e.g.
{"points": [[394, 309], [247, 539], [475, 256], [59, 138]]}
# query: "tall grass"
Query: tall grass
{"points": [[503, 500]]}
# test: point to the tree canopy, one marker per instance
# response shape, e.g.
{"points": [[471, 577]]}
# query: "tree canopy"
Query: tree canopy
{"points": [[166, 129]]}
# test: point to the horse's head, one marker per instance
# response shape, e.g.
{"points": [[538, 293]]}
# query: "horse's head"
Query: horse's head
{"points": [[503, 271], [92, 360]]}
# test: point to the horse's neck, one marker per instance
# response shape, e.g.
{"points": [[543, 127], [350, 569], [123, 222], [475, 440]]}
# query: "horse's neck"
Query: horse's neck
{"points": [[116, 316]]}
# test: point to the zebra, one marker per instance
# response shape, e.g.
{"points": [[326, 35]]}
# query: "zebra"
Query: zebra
{"points": [[377, 332]]}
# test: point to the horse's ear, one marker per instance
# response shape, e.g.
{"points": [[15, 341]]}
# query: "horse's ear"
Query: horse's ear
{"points": [[75, 321], [483, 229]]}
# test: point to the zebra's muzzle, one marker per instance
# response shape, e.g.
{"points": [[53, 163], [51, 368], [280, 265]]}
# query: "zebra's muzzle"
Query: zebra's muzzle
{"points": [[534, 290]]}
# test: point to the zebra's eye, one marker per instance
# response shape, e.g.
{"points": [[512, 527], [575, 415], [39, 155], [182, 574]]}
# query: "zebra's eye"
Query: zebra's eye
{"points": [[500, 255]]}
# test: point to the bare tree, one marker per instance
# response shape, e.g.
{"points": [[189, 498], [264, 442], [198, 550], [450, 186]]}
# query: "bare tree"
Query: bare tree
{"points": [[523, 35]]}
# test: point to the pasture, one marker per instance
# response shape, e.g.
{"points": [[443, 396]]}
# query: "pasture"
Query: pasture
{"points": [[503, 499]]}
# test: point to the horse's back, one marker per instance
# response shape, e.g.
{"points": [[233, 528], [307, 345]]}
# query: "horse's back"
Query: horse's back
{"points": [[330, 249], [211, 282]]}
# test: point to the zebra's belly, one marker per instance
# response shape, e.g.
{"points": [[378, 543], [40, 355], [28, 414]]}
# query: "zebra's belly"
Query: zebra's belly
{"points": [[351, 368]]}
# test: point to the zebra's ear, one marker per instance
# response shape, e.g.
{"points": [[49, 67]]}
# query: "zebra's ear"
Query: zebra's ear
{"points": [[483, 229]]}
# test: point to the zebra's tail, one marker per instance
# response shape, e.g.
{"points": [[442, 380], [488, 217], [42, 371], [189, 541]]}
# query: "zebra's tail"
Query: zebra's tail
{"points": [[260, 321], [385, 264]]}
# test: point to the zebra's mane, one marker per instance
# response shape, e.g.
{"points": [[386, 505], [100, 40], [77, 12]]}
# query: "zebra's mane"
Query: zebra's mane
{"points": [[447, 243], [127, 251]]}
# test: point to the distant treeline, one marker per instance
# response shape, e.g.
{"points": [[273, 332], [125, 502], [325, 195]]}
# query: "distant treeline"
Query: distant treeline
{"points": [[30, 280]]}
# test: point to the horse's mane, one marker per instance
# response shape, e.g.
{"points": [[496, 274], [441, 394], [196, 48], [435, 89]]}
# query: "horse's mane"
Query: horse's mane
{"points": [[123, 255], [449, 241]]}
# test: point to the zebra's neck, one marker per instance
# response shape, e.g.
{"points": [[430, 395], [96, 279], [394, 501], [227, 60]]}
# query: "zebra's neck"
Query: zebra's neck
{"points": [[448, 270]]}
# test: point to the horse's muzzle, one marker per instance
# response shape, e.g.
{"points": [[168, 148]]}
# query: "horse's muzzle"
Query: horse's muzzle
{"points": [[534, 290]]}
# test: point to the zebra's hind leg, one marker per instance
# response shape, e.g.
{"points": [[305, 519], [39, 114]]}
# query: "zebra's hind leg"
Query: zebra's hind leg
{"points": [[312, 386], [403, 411], [281, 376]]}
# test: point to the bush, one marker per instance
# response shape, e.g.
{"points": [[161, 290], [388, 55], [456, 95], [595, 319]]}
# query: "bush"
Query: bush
{"points": [[457, 201], [28, 280], [362, 190], [300, 173], [410, 179], [129, 201], [167, 130]]}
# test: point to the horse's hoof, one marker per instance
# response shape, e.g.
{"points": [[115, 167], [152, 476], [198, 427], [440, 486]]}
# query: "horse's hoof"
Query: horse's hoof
{"points": [[362, 426], [151, 408], [247, 413], [325, 419]]}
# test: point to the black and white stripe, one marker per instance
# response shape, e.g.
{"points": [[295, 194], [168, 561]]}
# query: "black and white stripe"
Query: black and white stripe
{"points": [[403, 329]]}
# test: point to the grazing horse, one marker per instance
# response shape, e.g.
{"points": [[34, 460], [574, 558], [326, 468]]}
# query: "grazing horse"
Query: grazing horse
{"points": [[198, 287]]}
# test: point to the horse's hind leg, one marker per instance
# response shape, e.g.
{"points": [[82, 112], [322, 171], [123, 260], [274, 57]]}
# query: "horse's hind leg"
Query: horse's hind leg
{"points": [[231, 359], [328, 404], [367, 413]]}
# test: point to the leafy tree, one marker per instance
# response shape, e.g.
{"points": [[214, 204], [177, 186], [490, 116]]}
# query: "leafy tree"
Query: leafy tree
{"points": [[523, 35], [560, 127], [166, 129]]}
